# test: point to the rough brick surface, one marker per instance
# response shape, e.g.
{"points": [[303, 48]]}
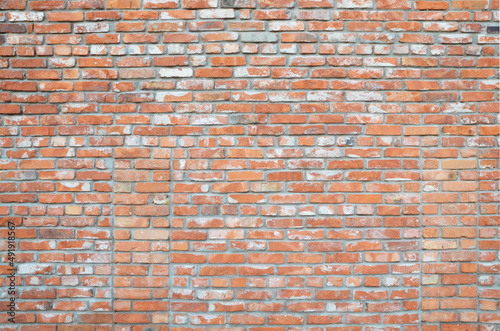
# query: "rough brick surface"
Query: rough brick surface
{"points": [[260, 165]]}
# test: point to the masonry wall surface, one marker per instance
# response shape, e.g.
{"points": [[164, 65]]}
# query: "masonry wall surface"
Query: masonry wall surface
{"points": [[261, 165]]}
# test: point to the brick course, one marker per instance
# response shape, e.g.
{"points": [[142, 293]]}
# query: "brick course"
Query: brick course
{"points": [[260, 165]]}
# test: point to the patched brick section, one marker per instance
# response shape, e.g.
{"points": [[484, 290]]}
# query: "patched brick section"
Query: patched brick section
{"points": [[57, 189], [251, 164]]}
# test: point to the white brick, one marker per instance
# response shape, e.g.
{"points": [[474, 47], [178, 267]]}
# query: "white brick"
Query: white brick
{"points": [[176, 72], [25, 17]]}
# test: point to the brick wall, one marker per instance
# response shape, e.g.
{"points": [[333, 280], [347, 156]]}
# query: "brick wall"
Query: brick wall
{"points": [[251, 164]]}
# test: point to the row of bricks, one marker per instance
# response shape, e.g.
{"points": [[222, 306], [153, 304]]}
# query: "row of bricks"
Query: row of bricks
{"points": [[202, 4]]}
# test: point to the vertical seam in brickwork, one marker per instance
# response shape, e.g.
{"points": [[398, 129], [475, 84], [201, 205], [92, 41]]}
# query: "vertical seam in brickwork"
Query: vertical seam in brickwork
{"points": [[478, 229], [421, 182], [112, 161], [170, 225]]}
